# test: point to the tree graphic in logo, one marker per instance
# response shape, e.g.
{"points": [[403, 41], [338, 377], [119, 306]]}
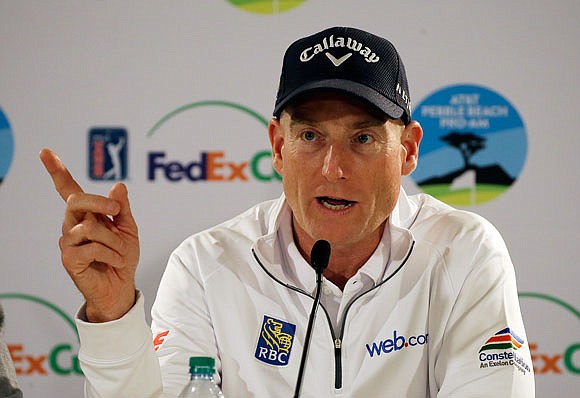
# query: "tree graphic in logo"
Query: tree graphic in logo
{"points": [[466, 143], [492, 179], [474, 145], [266, 6]]}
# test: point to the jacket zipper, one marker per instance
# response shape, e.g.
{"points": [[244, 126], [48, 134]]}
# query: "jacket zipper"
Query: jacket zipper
{"points": [[337, 340], [337, 350], [337, 363]]}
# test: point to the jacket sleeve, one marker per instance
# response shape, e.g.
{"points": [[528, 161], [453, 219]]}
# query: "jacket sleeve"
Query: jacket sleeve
{"points": [[483, 349], [126, 358], [181, 322], [117, 357]]}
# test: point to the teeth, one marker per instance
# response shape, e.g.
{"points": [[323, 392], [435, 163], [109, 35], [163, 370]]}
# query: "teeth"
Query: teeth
{"points": [[330, 206]]}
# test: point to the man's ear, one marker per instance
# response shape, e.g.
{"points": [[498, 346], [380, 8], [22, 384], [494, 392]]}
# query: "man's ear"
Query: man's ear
{"points": [[277, 143], [410, 139]]}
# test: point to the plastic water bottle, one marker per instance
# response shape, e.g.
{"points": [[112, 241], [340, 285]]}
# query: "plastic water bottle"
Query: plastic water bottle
{"points": [[202, 383]]}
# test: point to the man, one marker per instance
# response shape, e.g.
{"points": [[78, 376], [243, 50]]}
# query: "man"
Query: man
{"points": [[419, 299], [8, 382]]}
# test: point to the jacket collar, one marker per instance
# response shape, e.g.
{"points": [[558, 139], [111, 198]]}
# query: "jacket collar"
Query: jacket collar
{"points": [[403, 215], [267, 251]]}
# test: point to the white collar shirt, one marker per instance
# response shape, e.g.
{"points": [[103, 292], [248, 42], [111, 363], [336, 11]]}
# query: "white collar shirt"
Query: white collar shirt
{"points": [[333, 299]]}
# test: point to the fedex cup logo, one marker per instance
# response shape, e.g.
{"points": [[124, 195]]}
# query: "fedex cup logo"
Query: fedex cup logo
{"points": [[43, 344], [188, 162]]}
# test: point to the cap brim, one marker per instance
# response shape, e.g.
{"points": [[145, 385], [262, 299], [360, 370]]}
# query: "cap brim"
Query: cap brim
{"points": [[358, 90]]}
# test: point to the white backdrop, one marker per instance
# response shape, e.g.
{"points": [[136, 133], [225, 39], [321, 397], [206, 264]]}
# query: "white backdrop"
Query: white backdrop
{"points": [[68, 66]]}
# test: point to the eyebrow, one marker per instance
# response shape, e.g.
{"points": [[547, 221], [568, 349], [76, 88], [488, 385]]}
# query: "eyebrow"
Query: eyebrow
{"points": [[296, 118]]}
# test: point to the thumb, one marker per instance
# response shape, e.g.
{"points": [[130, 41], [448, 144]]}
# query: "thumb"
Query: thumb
{"points": [[120, 194]]}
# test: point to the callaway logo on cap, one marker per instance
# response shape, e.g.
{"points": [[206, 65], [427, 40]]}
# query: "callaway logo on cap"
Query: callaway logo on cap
{"points": [[348, 60]]}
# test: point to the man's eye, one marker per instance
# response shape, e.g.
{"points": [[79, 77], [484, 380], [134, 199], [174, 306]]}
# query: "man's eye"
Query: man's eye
{"points": [[309, 136], [364, 139]]}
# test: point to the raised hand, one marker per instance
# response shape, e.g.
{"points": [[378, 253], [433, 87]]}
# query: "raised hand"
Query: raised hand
{"points": [[99, 244]]}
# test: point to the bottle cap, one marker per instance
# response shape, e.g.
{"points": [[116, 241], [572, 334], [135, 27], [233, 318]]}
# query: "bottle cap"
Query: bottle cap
{"points": [[202, 365]]}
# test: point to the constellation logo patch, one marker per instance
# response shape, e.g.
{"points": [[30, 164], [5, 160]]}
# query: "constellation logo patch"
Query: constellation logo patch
{"points": [[504, 339], [107, 153], [501, 350], [275, 341]]}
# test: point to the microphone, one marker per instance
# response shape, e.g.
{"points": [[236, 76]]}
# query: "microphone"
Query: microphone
{"points": [[319, 257]]}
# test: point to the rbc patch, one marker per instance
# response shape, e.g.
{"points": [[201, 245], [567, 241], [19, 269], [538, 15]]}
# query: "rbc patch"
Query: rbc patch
{"points": [[107, 153], [275, 341]]}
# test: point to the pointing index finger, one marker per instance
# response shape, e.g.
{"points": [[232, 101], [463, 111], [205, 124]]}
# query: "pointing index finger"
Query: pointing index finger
{"points": [[63, 181]]}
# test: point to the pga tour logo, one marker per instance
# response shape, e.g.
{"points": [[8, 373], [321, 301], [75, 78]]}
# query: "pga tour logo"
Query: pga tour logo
{"points": [[107, 153], [275, 341]]}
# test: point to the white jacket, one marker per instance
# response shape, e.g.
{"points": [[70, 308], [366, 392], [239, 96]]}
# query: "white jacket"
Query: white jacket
{"points": [[444, 322]]}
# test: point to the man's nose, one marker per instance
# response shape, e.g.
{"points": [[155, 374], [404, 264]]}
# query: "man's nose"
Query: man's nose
{"points": [[334, 164]]}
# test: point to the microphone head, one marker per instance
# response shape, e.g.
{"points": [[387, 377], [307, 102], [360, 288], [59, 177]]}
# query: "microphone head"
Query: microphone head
{"points": [[320, 255]]}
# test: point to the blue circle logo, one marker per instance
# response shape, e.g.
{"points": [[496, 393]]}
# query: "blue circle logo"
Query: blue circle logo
{"points": [[474, 145], [6, 146]]}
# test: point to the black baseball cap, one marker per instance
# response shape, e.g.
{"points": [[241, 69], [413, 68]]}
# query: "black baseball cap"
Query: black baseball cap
{"points": [[349, 60]]}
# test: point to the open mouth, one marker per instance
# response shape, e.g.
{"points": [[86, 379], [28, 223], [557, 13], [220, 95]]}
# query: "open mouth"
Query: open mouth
{"points": [[335, 203]]}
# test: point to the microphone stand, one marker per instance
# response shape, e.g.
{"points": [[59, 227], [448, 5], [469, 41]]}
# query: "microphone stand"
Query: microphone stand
{"points": [[319, 257]]}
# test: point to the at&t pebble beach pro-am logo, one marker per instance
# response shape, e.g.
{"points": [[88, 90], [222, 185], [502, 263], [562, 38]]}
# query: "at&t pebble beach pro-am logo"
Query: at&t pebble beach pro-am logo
{"points": [[474, 145], [266, 6], [6, 146], [275, 341], [107, 153]]}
